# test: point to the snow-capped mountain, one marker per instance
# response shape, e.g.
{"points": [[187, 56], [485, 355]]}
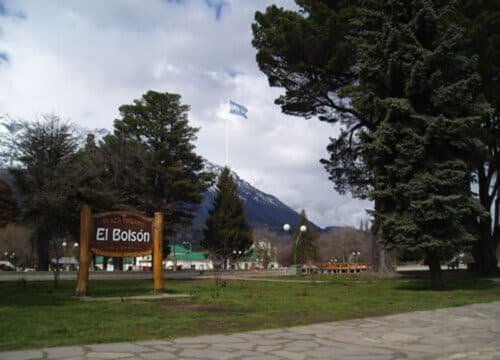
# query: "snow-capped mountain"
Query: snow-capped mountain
{"points": [[261, 209]]}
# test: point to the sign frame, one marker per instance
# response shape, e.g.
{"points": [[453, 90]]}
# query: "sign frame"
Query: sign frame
{"points": [[88, 245]]}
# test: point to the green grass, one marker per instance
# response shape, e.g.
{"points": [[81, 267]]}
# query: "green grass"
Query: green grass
{"points": [[36, 315]]}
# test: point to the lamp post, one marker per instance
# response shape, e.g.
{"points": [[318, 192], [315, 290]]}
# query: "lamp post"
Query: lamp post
{"points": [[302, 229], [64, 244], [237, 255], [190, 250]]}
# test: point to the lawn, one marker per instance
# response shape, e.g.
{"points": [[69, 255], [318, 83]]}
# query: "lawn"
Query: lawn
{"points": [[36, 315]]}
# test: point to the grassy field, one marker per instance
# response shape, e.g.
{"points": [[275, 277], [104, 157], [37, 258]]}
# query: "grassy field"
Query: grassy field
{"points": [[36, 314]]}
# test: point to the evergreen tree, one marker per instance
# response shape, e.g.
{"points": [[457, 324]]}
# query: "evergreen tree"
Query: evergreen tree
{"points": [[422, 93], [8, 204], [311, 54], [305, 251], [394, 75], [174, 176], [481, 21], [226, 229], [112, 173]]}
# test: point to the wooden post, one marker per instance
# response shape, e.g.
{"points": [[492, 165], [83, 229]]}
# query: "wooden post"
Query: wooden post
{"points": [[158, 252], [82, 281]]}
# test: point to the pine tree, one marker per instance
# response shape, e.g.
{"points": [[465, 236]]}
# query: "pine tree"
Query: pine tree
{"points": [[305, 250], [422, 93], [311, 54], [481, 21], [226, 229], [174, 175], [8, 204], [403, 85], [113, 173]]}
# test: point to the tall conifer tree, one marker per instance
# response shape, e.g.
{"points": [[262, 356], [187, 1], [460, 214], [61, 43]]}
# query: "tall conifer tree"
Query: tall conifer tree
{"points": [[422, 93], [174, 174], [226, 229], [396, 76], [481, 20]]}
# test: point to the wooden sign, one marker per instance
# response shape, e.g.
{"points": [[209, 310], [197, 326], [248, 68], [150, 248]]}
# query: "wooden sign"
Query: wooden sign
{"points": [[119, 234]]}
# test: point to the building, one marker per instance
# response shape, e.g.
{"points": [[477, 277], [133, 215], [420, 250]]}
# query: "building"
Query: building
{"points": [[261, 255], [185, 259]]}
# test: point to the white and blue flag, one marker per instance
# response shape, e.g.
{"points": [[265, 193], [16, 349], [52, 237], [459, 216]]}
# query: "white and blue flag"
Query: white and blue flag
{"points": [[237, 109]]}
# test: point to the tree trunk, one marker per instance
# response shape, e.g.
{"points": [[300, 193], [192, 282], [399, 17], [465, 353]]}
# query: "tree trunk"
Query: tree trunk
{"points": [[381, 260], [42, 247], [56, 273], [485, 250], [434, 261]]}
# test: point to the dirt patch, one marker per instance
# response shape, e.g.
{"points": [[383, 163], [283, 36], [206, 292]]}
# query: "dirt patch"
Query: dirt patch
{"points": [[200, 307]]}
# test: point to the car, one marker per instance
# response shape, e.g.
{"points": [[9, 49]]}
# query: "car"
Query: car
{"points": [[7, 266]]}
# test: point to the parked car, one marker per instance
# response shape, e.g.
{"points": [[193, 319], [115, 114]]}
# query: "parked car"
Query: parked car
{"points": [[7, 266]]}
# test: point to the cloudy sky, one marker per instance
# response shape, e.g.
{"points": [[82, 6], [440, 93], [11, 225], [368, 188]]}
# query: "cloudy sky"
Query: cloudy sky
{"points": [[83, 59]]}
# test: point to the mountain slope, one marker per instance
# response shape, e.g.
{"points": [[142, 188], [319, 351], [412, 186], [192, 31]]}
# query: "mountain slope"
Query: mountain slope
{"points": [[261, 209]]}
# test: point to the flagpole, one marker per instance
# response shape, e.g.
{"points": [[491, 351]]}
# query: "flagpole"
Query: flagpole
{"points": [[227, 133]]}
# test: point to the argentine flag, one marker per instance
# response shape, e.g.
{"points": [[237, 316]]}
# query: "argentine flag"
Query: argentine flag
{"points": [[237, 109]]}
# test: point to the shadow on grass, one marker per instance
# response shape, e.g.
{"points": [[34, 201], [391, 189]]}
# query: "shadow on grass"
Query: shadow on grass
{"points": [[27, 294], [451, 283]]}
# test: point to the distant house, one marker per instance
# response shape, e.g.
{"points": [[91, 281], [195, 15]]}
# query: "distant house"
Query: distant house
{"points": [[128, 264], [261, 255], [185, 259]]}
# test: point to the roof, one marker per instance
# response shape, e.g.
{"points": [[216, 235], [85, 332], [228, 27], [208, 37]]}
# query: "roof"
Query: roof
{"points": [[181, 253]]}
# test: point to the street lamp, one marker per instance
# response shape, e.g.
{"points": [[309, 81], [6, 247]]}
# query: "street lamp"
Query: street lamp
{"points": [[237, 255], [190, 251], [302, 229]]}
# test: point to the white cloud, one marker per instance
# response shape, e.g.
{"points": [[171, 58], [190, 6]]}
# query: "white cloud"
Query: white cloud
{"points": [[83, 59]]}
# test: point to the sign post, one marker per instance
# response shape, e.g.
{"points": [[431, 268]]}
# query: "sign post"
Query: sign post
{"points": [[119, 234], [158, 252], [82, 280]]}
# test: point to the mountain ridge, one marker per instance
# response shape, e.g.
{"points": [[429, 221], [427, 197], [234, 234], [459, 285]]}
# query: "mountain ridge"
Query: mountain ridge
{"points": [[261, 209]]}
